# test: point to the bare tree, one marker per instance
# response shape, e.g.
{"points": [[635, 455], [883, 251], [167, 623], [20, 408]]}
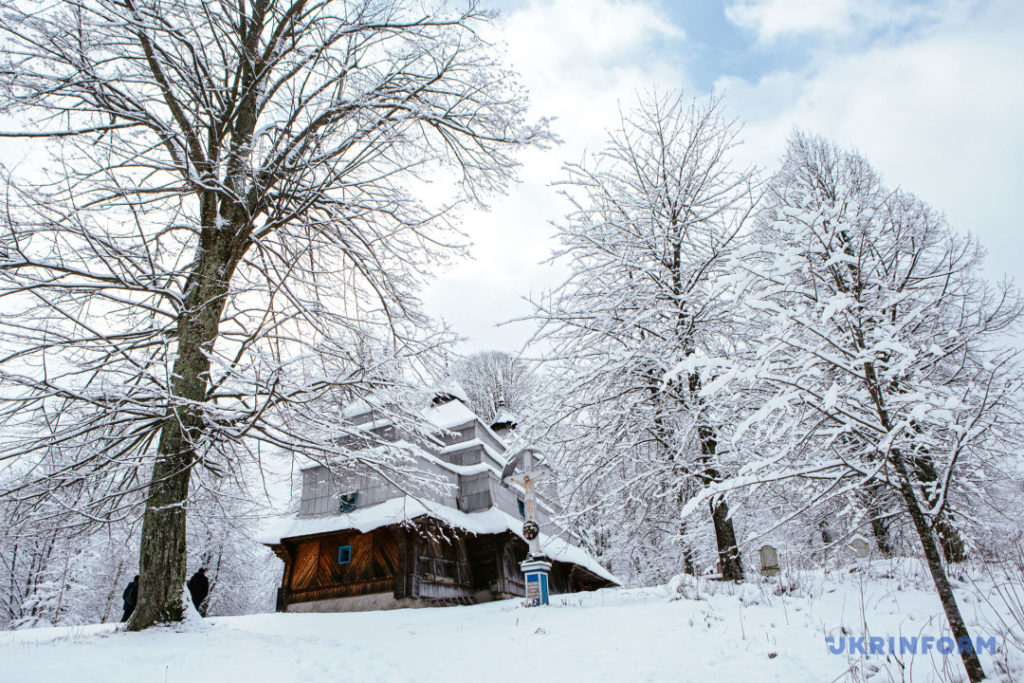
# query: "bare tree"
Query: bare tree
{"points": [[655, 215], [880, 353], [494, 378], [55, 567], [228, 231]]}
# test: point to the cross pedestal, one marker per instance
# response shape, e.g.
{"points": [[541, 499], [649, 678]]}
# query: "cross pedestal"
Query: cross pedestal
{"points": [[536, 571]]}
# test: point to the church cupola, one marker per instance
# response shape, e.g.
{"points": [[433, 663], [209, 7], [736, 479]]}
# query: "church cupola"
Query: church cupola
{"points": [[504, 421]]}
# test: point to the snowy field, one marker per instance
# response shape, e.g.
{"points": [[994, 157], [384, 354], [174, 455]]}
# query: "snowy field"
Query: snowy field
{"points": [[684, 631]]}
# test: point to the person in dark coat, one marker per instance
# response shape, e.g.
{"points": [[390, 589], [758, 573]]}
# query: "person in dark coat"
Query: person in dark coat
{"points": [[130, 597], [199, 587]]}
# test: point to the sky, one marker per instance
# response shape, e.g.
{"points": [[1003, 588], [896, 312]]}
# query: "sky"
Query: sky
{"points": [[932, 93]]}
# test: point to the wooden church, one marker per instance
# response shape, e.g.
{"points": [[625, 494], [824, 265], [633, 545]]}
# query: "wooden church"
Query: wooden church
{"points": [[361, 543]]}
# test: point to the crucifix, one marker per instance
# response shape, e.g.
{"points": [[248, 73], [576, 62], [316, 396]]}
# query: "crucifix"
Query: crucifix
{"points": [[536, 568], [531, 530]]}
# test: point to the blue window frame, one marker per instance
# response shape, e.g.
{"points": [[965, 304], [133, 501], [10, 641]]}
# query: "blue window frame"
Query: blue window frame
{"points": [[522, 508], [347, 501], [344, 554]]}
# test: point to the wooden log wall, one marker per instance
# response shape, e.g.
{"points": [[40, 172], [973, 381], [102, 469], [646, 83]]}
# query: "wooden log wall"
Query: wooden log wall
{"points": [[428, 562], [484, 556], [510, 579], [315, 573], [442, 569], [401, 584]]}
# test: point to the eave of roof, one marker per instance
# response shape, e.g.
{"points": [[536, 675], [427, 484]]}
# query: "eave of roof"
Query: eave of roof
{"points": [[405, 509]]}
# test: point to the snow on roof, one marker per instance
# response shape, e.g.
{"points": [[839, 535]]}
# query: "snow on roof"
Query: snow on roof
{"points": [[504, 416], [494, 455], [406, 509], [445, 416], [478, 468], [462, 446], [450, 387], [449, 415]]}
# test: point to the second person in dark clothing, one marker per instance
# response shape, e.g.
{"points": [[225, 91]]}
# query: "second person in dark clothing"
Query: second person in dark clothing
{"points": [[130, 597], [199, 588]]}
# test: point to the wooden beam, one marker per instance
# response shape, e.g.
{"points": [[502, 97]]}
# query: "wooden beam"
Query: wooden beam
{"points": [[402, 570]]}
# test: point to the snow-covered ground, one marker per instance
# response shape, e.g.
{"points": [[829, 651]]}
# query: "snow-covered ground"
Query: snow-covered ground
{"points": [[684, 631]]}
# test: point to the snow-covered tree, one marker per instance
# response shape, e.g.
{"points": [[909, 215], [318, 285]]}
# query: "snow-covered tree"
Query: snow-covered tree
{"points": [[494, 378], [880, 366], [228, 229], [655, 214], [224, 523], [56, 570]]}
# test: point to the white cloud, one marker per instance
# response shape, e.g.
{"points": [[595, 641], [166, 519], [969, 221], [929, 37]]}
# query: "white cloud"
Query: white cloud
{"points": [[579, 59], [774, 19], [938, 110], [574, 33], [939, 114]]}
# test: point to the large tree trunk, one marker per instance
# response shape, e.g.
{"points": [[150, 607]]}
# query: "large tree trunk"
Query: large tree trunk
{"points": [[924, 532], [225, 223], [163, 556], [934, 559], [952, 544], [725, 537], [725, 534]]}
